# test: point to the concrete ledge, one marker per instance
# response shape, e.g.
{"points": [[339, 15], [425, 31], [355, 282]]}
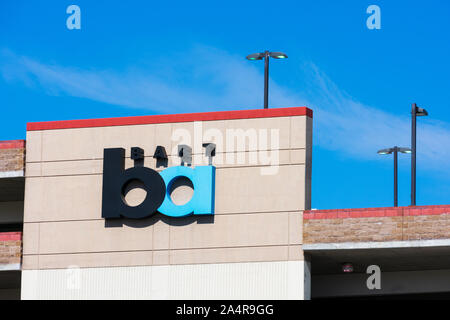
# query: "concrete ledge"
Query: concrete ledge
{"points": [[12, 174], [9, 267], [377, 245]]}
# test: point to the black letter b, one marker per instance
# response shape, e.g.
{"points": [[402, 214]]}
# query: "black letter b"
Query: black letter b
{"points": [[116, 179]]}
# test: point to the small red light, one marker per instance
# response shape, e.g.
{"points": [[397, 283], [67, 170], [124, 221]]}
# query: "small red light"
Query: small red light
{"points": [[347, 267]]}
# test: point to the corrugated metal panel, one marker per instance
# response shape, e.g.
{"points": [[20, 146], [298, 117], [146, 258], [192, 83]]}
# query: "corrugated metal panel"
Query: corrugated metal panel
{"points": [[265, 280]]}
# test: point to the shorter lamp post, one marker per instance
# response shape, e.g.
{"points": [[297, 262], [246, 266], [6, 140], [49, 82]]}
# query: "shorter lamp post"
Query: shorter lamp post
{"points": [[395, 150]]}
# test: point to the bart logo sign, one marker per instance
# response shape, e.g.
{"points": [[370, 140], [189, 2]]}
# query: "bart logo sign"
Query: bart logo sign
{"points": [[157, 185]]}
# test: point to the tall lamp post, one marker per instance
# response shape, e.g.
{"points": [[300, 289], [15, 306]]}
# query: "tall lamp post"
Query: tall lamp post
{"points": [[266, 55], [395, 150], [415, 112]]}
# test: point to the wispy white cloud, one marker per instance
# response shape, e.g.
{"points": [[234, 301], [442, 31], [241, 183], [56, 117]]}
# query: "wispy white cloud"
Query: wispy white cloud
{"points": [[219, 80], [344, 124], [216, 80]]}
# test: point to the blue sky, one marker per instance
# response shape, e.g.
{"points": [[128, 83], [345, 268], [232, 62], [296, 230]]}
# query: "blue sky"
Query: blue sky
{"points": [[148, 57]]}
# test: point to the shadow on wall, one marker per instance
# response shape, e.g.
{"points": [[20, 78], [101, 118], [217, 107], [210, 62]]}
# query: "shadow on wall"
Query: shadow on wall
{"points": [[146, 222]]}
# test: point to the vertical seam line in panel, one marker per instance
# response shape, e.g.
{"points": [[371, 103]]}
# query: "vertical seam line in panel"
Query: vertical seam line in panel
{"points": [[170, 245], [41, 146], [290, 142], [289, 237], [153, 243], [39, 246]]}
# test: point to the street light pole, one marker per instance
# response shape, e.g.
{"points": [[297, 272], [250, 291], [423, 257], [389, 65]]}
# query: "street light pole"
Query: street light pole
{"points": [[395, 176], [413, 154], [266, 79], [415, 112], [395, 150], [266, 55]]}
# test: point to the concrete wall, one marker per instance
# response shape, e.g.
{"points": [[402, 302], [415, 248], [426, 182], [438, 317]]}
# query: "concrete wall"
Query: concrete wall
{"points": [[258, 207]]}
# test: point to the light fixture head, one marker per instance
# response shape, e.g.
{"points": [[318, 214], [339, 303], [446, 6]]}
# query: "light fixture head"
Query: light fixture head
{"points": [[385, 151], [421, 112], [391, 150], [404, 150], [278, 55], [255, 56]]}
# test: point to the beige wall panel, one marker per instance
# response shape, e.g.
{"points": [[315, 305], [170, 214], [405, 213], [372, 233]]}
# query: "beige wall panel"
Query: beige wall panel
{"points": [[84, 167], [34, 146], [104, 259], [210, 133], [238, 190], [295, 227], [63, 198], [77, 167], [88, 143], [92, 236], [161, 232], [30, 262], [295, 253], [298, 132], [182, 133], [163, 137], [282, 124], [33, 202], [30, 238], [308, 161], [246, 190], [297, 156], [226, 231], [229, 255], [208, 129], [233, 231], [244, 159], [33, 169], [257, 215], [161, 257], [241, 159]]}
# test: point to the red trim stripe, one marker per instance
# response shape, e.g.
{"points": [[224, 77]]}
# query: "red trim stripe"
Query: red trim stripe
{"points": [[171, 118], [376, 212], [12, 144], [10, 236]]}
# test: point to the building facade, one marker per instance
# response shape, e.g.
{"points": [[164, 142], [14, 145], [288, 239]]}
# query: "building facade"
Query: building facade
{"points": [[120, 208], [249, 247]]}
